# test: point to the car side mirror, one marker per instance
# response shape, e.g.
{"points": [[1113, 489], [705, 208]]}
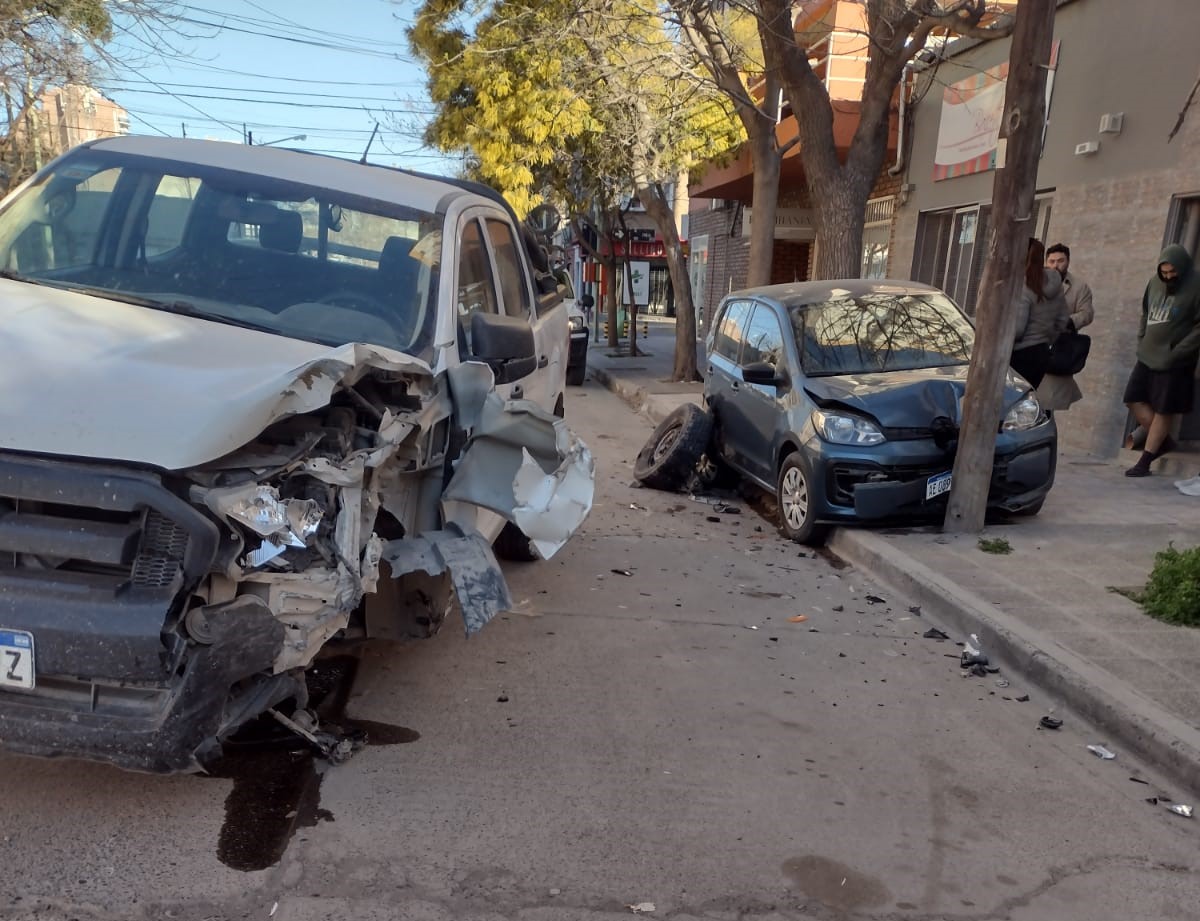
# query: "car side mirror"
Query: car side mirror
{"points": [[505, 343], [763, 372], [546, 284]]}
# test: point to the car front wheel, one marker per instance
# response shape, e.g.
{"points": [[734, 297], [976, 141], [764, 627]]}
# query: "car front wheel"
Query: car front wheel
{"points": [[795, 495]]}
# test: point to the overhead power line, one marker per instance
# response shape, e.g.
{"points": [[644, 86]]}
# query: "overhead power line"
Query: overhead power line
{"points": [[242, 89], [311, 42]]}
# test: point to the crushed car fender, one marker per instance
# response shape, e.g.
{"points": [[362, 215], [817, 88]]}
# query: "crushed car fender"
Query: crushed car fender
{"points": [[525, 464], [478, 582]]}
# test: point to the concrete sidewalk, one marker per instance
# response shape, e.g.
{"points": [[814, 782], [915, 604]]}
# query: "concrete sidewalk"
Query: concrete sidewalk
{"points": [[1045, 611]]}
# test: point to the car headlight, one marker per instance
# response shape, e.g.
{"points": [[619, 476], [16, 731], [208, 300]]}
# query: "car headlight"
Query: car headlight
{"points": [[577, 324], [845, 429], [1025, 414]]}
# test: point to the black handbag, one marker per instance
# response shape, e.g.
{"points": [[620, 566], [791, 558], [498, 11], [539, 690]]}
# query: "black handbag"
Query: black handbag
{"points": [[1069, 353]]}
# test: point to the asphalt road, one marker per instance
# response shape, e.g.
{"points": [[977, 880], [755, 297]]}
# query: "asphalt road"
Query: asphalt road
{"points": [[649, 726]]}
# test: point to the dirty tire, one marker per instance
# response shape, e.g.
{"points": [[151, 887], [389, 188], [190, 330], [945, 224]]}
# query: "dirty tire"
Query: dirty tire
{"points": [[513, 545], [576, 374], [794, 494], [669, 457], [714, 473]]}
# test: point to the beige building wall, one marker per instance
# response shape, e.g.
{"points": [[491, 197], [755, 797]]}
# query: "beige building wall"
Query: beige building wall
{"points": [[1111, 207]]}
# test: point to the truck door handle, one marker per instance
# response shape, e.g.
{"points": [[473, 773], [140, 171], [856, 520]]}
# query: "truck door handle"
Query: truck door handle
{"points": [[735, 385], [543, 361]]}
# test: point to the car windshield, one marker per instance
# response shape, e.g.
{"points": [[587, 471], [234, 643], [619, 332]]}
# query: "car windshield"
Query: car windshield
{"points": [[248, 250], [881, 331]]}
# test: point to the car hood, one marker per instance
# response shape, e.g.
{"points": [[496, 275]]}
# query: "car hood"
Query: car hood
{"points": [[903, 399], [88, 377]]}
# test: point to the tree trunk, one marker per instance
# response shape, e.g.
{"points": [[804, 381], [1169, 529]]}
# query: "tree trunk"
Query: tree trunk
{"points": [[661, 213], [840, 203], [765, 157], [1012, 198], [610, 299]]}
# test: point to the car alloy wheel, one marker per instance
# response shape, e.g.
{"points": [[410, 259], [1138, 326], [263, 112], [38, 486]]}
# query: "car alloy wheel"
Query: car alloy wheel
{"points": [[796, 502], [665, 442]]}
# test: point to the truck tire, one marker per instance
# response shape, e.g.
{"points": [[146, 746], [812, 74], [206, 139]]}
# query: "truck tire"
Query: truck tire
{"points": [[576, 374], [669, 457]]}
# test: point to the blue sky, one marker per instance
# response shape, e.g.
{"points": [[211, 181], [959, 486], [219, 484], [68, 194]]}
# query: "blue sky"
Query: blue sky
{"points": [[327, 70]]}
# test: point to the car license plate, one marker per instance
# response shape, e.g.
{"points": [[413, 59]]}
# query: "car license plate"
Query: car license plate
{"points": [[937, 484], [16, 659]]}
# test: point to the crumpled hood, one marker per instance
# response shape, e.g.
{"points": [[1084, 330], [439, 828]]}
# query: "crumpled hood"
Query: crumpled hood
{"points": [[903, 399], [87, 377]]}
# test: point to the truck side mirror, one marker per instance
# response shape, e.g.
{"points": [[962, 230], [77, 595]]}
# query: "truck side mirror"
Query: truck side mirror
{"points": [[506, 344]]}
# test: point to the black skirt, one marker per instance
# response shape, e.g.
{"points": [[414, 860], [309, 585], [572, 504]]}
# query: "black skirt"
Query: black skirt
{"points": [[1031, 362]]}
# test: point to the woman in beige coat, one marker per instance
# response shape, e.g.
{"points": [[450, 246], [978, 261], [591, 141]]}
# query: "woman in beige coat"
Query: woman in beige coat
{"points": [[1059, 391]]}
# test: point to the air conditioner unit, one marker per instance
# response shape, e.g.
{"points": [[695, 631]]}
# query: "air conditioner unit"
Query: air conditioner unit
{"points": [[1087, 147], [1112, 122]]}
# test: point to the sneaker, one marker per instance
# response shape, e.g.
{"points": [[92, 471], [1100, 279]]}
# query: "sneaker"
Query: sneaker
{"points": [[1189, 487]]}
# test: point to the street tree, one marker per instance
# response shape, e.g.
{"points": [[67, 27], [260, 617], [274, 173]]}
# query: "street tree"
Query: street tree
{"points": [[47, 43], [562, 98], [896, 32]]}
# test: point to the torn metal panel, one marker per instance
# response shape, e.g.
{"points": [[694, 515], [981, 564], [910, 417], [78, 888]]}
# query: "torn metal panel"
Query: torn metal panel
{"points": [[478, 582], [523, 463]]}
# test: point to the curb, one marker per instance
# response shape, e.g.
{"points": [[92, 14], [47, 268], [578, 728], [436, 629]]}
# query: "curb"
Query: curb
{"points": [[1136, 724], [635, 396]]}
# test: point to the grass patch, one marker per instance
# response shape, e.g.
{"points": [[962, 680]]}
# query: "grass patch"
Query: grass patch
{"points": [[994, 545], [1172, 593]]}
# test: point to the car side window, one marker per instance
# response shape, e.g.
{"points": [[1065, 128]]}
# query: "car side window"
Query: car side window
{"points": [[764, 338], [476, 286], [732, 330], [514, 285]]}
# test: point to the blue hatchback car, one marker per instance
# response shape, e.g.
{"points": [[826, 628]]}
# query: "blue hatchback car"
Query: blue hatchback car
{"points": [[844, 398]]}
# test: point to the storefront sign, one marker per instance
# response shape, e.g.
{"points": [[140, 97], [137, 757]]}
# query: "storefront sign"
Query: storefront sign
{"points": [[790, 223]]}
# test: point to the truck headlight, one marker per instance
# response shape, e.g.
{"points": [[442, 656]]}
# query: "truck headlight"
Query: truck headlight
{"points": [[577, 324], [845, 429]]}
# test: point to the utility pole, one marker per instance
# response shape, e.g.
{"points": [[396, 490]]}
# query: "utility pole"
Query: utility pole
{"points": [[1012, 205]]}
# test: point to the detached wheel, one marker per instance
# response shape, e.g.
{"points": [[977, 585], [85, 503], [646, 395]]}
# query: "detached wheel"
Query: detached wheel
{"points": [[669, 457], [575, 375], [795, 495], [513, 545]]}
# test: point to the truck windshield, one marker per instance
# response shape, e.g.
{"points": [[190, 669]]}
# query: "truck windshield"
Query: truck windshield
{"points": [[294, 260]]}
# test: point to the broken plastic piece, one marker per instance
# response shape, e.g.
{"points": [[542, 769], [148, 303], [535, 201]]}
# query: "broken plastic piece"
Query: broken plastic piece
{"points": [[1181, 809], [933, 633], [1049, 722], [641, 907], [622, 572], [712, 518], [797, 619], [1023, 699], [875, 599], [1101, 752], [1001, 682]]}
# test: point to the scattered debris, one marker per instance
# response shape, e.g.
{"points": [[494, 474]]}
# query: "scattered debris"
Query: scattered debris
{"points": [[712, 518], [915, 609], [1178, 808], [752, 627], [555, 891], [839, 607], [773, 639], [875, 599], [933, 633], [1049, 722], [636, 507], [1181, 809], [972, 653], [727, 509], [641, 907], [759, 593], [797, 619], [1139, 780], [891, 652], [502, 699], [274, 908], [1023, 699], [1101, 752], [622, 572], [1001, 682], [975, 671], [994, 545]]}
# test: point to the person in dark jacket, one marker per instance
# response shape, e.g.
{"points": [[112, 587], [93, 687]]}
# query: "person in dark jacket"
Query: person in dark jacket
{"points": [[1041, 313], [1162, 383]]}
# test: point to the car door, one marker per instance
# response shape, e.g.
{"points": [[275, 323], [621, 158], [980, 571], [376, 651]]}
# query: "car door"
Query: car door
{"points": [[544, 385], [760, 407], [724, 375]]}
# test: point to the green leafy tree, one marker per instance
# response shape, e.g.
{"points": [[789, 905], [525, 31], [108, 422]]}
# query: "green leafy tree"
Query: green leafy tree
{"points": [[575, 101]]}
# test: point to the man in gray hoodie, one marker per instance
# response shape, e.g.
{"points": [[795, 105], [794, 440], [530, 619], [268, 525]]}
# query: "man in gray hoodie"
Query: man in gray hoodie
{"points": [[1162, 383]]}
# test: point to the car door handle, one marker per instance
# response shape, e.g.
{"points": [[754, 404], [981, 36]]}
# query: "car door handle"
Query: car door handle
{"points": [[735, 385], [543, 361]]}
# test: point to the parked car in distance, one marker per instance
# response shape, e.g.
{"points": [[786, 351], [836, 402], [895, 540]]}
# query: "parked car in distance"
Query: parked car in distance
{"points": [[577, 318], [844, 398], [256, 400]]}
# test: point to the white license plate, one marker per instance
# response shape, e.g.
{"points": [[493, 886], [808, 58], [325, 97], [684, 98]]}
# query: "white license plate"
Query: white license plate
{"points": [[936, 485], [16, 659]]}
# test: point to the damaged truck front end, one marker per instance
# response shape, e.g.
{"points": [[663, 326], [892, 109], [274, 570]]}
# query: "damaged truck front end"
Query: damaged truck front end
{"points": [[147, 613]]}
